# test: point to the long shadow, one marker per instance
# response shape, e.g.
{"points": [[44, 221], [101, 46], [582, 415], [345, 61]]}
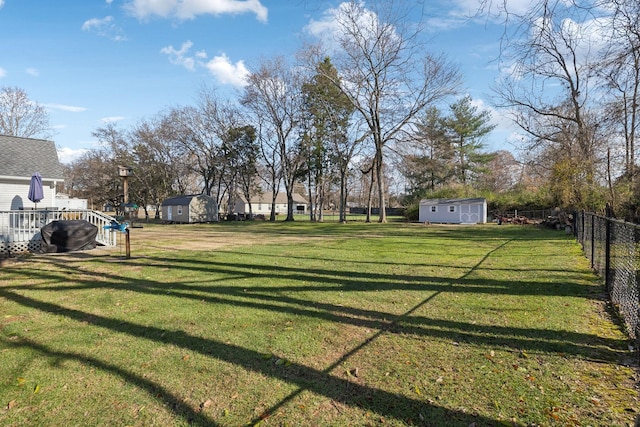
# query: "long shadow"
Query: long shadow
{"points": [[331, 280], [178, 407], [407, 230], [320, 382], [273, 299], [384, 403]]}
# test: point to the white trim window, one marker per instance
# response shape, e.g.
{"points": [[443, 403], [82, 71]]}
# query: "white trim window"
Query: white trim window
{"points": [[452, 209], [179, 210], [434, 209]]}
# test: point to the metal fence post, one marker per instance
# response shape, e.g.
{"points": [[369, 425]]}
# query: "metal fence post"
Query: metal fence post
{"points": [[607, 250], [593, 241]]}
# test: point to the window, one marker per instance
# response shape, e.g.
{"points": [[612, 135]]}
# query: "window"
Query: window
{"points": [[452, 209], [434, 209], [179, 210]]}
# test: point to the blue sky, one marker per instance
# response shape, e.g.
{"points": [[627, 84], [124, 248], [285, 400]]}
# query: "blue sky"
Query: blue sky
{"points": [[90, 62]]}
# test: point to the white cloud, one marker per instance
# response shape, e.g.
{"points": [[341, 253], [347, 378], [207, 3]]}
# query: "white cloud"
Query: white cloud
{"points": [[67, 155], [3, 72], [32, 72], [189, 9], [104, 27], [69, 108], [227, 72], [112, 119], [109, 2], [1, 3], [179, 56], [220, 66], [332, 26], [96, 23]]}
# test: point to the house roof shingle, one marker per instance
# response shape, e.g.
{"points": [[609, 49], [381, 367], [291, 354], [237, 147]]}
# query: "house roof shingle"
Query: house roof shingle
{"points": [[21, 157]]}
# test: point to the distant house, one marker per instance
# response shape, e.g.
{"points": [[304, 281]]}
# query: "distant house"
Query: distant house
{"points": [[190, 208], [261, 204], [453, 211], [19, 159]]}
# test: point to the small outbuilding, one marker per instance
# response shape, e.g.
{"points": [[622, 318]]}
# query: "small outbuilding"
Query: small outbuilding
{"points": [[190, 209], [453, 211]]}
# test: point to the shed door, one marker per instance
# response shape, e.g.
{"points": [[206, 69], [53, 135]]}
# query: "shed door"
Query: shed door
{"points": [[169, 213], [470, 214]]}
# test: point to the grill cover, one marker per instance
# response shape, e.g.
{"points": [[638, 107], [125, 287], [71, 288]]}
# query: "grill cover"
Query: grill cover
{"points": [[67, 236]]}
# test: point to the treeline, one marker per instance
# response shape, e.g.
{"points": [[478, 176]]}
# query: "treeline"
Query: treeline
{"points": [[371, 117]]}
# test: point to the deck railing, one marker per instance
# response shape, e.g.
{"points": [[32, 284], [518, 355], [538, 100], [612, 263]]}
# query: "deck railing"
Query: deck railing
{"points": [[20, 229]]}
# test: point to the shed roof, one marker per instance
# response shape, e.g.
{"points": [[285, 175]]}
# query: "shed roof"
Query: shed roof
{"points": [[183, 200], [21, 157], [451, 201]]}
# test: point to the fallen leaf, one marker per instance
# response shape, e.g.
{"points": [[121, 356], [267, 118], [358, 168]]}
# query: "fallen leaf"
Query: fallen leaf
{"points": [[21, 380], [11, 404], [185, 357], [417, 390], [205, 404], [352, 372], [36, 389], [439, 380]]}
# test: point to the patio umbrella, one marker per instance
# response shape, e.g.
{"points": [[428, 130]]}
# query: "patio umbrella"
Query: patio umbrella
{"points": [[35, 189]]}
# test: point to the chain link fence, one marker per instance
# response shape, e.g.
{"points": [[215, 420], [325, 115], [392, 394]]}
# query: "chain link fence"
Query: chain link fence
{"points": [[613, 247]]}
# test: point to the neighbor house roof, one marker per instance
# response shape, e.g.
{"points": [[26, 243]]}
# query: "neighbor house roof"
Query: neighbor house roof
{"points": [[21, 157], [281, 198]]}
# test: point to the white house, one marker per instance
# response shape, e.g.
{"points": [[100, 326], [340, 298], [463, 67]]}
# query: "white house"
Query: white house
{"points": [[190, 208], [261, 204], [19, 159], [453, 211]]}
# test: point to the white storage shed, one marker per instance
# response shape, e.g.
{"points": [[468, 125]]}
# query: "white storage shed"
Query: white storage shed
{"points": [[453, 211]]}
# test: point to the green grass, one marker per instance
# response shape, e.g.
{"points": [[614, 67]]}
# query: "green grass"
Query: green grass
{"points": [[293, 324]]}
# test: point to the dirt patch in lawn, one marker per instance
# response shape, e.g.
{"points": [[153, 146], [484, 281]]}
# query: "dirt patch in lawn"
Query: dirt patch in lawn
{"points": [[192, 237]]}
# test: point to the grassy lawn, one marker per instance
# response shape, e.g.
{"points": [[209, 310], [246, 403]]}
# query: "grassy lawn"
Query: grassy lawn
{"points": [[302, 324]]}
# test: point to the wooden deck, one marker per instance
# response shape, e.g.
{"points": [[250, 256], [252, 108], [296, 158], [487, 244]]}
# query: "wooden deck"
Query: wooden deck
{"points": [[20, 229]]}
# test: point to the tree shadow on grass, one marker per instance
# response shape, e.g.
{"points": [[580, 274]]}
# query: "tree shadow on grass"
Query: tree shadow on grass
{"points": [[179, 408], [323, 383], [282, 299]]}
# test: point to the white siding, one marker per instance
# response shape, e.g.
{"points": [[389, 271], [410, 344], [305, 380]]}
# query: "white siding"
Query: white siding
{"points": [[454, 211], [14, 195]]}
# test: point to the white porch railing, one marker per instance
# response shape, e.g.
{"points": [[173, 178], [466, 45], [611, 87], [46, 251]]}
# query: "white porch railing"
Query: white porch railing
{"points": [[20, 230]]}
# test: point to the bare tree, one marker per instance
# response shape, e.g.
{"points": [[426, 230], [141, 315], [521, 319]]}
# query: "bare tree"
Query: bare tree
{"points": [[200, 132], [548, 92], [620, 70], [20, 116], [387, 74], [273, 93]]}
